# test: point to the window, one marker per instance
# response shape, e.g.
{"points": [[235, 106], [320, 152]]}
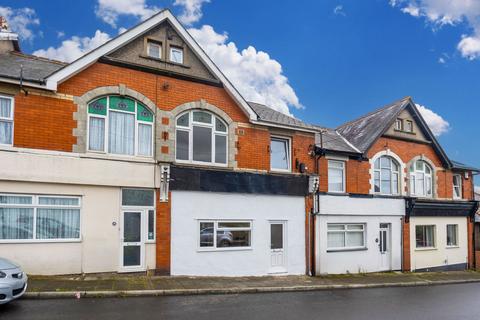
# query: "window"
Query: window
{"points": [[39, 218], [176, 55], [154, 49], [399, 124], [6, 120], [120, 125], [452, 235], [425, 236], [280, 154], [409, 126], [201, 137], [345, 236], [336, 176], [225, 234], [421, 181], [457, 186], [142, 198], [386, 176]]}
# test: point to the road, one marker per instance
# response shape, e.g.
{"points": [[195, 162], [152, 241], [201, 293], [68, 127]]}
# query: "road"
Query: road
{"points": [[433, 302]]}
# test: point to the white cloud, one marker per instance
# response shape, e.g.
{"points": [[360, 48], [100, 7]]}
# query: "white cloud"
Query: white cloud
{"points": [[60, 34], [110, 10], [192, 10], [21, 21], [258, 77], [74, 47], [449, 12], [437, 124], [338, 10]]}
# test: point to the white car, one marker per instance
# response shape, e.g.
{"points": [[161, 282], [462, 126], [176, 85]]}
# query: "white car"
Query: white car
{"points": [[13, 281]]}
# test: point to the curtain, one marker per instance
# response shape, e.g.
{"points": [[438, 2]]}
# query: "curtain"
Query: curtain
{"points": [[335, 179], [15, 199], [58, 223], [144, 139], [53, 201], [121, 133], [5, 132], [5, 108], [336, 239], [96, 138], [16, 223]]}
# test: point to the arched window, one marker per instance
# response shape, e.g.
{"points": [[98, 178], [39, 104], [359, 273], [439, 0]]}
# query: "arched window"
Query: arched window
{"points": [[421, 179], [201, 137], [120, 125], [386, 176]]}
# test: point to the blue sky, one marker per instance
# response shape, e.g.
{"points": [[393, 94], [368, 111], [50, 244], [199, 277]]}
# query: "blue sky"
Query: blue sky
{"points": [[338, 59]]}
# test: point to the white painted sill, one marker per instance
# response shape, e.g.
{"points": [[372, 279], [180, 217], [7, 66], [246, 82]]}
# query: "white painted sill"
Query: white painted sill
{"points": [[452, 247], [225, 249], [347, 249], [426, 249]]}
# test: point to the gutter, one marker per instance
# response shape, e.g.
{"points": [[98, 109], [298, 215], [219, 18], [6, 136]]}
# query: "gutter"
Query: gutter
{"points": [[32, 84]]}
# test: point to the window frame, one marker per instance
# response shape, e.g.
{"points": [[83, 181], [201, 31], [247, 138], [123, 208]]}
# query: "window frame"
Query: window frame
{"points": [[9, 119], [35, 206], [289, 152], [392, 173], [424, 226], [399, 124], [343, 163], [414, 177], [460, 186], [215, 229], [345, 231], [106, 133], [154, 43], [455, 245], [409, 127], [179, 49], [214, 133]]}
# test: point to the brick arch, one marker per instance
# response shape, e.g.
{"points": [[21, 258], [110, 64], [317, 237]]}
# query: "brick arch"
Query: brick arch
{"points": [[434, 175]]}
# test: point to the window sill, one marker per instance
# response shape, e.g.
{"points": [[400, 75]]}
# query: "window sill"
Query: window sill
{"points": [[30, 241], [109, 156], [225, 249], [203, 164], [280, 170], [347, 250], [426, 249], [144, 56], [452, 247]]}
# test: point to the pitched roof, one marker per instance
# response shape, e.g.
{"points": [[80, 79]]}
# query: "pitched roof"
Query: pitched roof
{"points": [[334, 141], [462, 166], [35, 69]]}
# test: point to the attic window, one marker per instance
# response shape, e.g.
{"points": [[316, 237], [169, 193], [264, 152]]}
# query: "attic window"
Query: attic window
{"points": [[154, 49], [399, 125], [409, 126], [176, 55]]}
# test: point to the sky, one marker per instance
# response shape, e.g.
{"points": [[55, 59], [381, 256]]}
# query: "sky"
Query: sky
{"points": [[325, 62]]}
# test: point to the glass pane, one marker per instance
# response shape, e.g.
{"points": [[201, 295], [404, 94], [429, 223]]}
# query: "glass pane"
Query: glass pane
{"points": [[335, 164], [395, 183], [276, 236], [96, 134], [15, 199], [151, 224], [144, 139], [176, 55], [419, 166], [143, 113], [131, 255], [132, 226], [220, 126], [427, 169], [234, 224], [182, 145], [138, 197], [430, 236], [122, 133], [336, 227], [420, 184], [336, 240], [206, 234], [16, 223], [355, 239], [394, 166], [377, 181], [98, 107], [335, 180], [355, 227], [154, 50], [377, 164], [122, 103], [220, 149], [386, 183], [5, 108], [200, 116], [58, 223], [184, 120], [279, 154], [55, 201], [233, 238], [6, 136], [202, 144], [385, 162]]}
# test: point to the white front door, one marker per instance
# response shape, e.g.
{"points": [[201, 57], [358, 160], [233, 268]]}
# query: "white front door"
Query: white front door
{"points": [[132, 255], [384, 245], [278, 251]]}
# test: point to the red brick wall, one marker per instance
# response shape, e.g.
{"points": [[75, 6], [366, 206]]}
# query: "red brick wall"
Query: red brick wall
{"points": [[471, 252], [406, 264], [163, 229]]}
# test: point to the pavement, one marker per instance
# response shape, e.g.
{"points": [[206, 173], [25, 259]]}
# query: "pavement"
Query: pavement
{"points": [[447, 302], [123, 285]]}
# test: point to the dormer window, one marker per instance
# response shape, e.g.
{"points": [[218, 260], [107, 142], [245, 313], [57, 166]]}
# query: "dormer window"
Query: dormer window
{"points": [[176, 55], [154, 49], [399, 125]]}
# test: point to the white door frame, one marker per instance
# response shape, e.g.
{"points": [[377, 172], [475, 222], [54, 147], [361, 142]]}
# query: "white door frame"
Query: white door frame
{"points": [[385, 255], [143, 217], [282, 269]]}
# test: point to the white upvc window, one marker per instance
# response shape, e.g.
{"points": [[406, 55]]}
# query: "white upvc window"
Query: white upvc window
{"points": [[452, 235], [421, 179], [224, 234], [457, 186], [39, 218], [154, 49], [176, 55], [144, 200], [425, 237], [409, 126], [336, 176], [280, 155], [350, 236], [201, 138], [399, 124], [120, 125], [6, 120], [387, 176]]}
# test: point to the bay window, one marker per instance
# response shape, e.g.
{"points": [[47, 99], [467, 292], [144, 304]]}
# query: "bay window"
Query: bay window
{"points": [[6, 120], [225, 234], [39, 218], [120, 125], [421, 181], [386, 176], [201, 137], [345, 236]]}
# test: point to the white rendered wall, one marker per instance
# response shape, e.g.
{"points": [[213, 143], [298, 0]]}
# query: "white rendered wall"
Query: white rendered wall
{"points": [[441, 255], [189, 207]]}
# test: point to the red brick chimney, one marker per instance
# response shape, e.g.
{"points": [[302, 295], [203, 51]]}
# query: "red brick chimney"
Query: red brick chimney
{"points": [[8, 39]]}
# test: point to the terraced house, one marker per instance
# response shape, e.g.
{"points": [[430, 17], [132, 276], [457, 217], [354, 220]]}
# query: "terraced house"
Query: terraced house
{"points": [[141, 155]]}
